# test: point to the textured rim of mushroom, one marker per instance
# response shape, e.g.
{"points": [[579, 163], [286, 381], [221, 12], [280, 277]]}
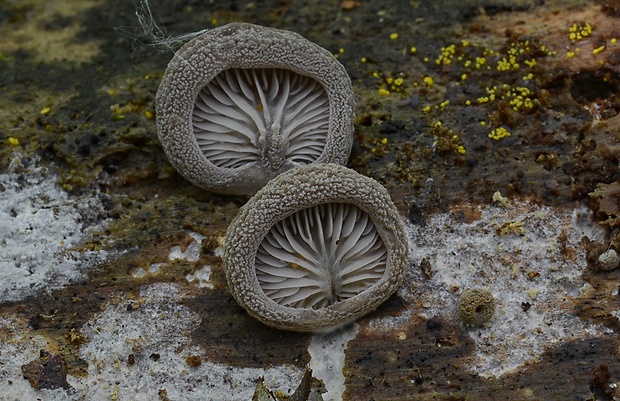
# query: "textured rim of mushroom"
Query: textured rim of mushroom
{"points": [[290, 192], [245, 46]]}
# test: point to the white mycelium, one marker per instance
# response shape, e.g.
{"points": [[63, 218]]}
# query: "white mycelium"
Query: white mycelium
{"points": [[245, 115], [320, 255]]}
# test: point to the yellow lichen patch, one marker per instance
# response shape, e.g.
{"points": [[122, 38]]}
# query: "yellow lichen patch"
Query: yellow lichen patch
{"points": [[445, 139], [546, 50], [505, 65], [509, 62], [380, 147], [511, 227], [389, 84], [393, 36], [13, 141], [446, 56], [491, 91], [489, 52], [114, 395], [119, 111], [75, 337], [501, 200], [45, 111], [499, 133], [598, 50], [521, 98], [528, 77], [504, 98], [579, 31]]}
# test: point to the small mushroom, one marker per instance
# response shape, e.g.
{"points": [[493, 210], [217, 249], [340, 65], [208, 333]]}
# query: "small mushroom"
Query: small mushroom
{"points": [[316, 248], [243, 103], [608, 260], [476, 306]]}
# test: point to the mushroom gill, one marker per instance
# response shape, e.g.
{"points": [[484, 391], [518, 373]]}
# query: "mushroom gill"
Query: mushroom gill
{"points": [[320, 255], [266, 115]]}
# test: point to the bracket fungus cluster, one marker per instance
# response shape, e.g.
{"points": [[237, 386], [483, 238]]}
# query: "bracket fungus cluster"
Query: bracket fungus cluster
{"points": [[317, 247], [242, 103]]}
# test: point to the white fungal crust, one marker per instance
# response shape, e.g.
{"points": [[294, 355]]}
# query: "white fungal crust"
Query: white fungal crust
{"points": [[243, 103], [317, 247]]}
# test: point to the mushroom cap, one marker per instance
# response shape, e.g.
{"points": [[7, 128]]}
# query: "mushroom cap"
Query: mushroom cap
{"points": [[323, 190], [230, 51]]}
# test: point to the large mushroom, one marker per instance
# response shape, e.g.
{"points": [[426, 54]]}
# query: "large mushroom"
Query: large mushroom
{"points": [[317, 247], [242, 103]]}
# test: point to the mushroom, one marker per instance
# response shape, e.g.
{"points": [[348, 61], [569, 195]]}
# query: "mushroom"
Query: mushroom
{"points": [[316, 248], [476, 306], [243, 103]]}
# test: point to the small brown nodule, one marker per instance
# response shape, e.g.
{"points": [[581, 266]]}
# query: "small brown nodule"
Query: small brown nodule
{"points": [[476, 306], [49, 372]]}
